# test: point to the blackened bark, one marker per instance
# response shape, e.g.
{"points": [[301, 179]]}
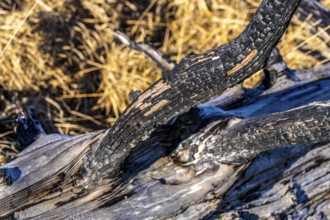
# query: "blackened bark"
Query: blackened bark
{"points": [[192, 82]]}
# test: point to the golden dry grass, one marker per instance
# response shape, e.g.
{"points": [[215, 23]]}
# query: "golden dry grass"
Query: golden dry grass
{"points": [[59, 58]]}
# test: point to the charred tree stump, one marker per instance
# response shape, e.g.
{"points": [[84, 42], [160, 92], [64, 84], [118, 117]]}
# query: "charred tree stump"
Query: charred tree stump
{"points": [[267, 157]]}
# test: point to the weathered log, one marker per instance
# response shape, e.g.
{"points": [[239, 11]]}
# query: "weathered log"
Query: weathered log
{"points": [[53, 162], [154, 185], [168, 173]]}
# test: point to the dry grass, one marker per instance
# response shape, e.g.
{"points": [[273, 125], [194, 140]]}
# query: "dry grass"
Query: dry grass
{"points": [[64, 64]]}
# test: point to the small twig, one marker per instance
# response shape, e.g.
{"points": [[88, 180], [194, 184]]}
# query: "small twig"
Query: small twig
{"points": [[162, 60]]}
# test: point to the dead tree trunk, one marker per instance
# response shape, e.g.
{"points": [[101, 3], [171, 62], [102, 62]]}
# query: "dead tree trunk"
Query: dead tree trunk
{"points": [[267, 157]]}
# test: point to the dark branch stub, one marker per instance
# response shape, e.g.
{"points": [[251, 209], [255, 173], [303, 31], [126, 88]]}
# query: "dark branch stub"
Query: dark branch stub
{"points": [[28, 130], [10, 175]]}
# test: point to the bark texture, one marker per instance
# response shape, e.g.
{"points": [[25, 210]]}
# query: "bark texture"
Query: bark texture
{"points": [[191, 83]]}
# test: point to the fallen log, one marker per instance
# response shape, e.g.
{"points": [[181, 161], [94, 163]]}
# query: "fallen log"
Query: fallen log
{"points": [[156, 183], [171, 162]]}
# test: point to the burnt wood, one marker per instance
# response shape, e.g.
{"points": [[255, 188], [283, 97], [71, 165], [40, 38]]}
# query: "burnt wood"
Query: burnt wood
{"points": [[192, 82]]}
